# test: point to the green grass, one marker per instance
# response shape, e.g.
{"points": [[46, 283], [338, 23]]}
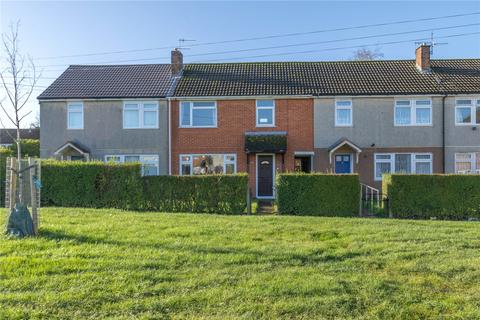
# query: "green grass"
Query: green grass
{"points": [[95, 264]]}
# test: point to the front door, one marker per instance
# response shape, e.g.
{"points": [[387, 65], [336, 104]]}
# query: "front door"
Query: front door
{"points": [[343, 163], [265, 176]]}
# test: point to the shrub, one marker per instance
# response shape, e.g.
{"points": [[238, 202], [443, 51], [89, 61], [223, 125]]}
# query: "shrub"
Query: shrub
{"points": [[4, 153], [443, 196], [90, 184], [318, 194], [30, 148], [109, 185], [207, 194]]}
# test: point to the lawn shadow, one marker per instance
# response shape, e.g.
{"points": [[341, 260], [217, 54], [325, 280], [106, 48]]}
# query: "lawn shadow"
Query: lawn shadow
{"points": [[59, 235]]}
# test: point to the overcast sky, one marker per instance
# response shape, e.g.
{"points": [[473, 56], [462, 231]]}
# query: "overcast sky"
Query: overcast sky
{"points": [[50, 30]]}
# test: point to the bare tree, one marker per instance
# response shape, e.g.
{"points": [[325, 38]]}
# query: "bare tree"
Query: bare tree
{"points": [[18, 80], [36, 122], [364, 54]]}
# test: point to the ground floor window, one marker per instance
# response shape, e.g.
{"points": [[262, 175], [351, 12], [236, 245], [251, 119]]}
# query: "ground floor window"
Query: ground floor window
{"points": [[150, 165], [418, 163], [467, 162], [198, 164]]}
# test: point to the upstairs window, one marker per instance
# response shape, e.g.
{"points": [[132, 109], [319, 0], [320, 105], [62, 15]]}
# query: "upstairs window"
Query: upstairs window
{"points": [[265, 113], [140, 115], [199, 114], [343, 113], [75, 115], [467, 112], [413, 112]]}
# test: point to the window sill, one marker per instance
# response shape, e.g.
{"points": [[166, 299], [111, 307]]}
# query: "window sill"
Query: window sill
{"points": [[265, 126], [203, 127], [146, 128]]}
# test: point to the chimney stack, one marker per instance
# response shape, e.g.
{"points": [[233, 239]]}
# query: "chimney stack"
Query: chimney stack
{"points": [[176, 61], [422, 58]]}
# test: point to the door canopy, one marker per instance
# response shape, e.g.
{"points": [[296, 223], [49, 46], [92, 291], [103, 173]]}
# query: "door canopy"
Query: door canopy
{"points": [[344, 142], [266, 142]]}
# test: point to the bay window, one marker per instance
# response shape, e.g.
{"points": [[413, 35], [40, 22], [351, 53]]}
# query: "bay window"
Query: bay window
{"points": [[417, 163], [199, 114], [413, 112], [140, 115], [201, 164]]}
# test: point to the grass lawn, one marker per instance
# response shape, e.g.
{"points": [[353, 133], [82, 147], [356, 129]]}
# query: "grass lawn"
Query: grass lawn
{"points": [[99, 264]]}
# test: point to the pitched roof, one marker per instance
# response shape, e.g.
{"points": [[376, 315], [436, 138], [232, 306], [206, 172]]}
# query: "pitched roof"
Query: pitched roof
{"points": [[111, 81], [381, 77], [7, 136]]}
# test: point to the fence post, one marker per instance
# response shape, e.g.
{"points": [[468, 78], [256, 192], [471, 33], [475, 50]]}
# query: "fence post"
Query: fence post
{"points": [[12, 190], [33, 196]]}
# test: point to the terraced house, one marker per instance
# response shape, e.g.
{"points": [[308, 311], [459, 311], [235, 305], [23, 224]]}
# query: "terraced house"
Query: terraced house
{"points": [[368, 117]]}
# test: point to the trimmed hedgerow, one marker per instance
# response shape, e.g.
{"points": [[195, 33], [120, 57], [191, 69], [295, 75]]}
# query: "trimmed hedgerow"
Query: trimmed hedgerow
{"points": [[109, 185], [30, 148], [91, 184], [441, 196], [318, 194], [202, 194]]}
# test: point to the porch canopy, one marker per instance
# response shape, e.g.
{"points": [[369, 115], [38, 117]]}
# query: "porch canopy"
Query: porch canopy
{"points": [[266, 142], [343, 143], [71, 149]]}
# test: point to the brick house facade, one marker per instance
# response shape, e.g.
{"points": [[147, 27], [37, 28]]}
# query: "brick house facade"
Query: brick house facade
{"points": [[235, 117]]}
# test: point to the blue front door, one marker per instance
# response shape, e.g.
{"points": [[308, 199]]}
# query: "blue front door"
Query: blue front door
{"points": [[343, 163]]}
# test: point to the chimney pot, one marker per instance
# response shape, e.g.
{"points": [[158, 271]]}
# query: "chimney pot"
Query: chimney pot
{"points": [[422, 58], [176, 62]]}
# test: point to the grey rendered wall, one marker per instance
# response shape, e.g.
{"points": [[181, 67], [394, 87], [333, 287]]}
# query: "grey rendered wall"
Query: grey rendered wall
{"points": [[103, 131], [458, 138], [373, 123]]}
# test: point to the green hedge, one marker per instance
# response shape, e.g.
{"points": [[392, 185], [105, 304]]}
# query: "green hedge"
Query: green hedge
{"points": [[441, 196], [30, 148], [207, 194], [109, 185], [318, 194], [4, 153], [90, 184]]}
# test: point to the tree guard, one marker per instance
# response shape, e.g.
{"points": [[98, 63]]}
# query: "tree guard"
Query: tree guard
{"points": [[22, 192]]}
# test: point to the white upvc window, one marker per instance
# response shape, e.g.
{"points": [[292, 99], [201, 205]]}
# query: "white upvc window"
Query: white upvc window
{"points": [[140, 115], [409, 163], [201, 164], [467, 162], [150, 163], [415, 112], [467, 112], [265, 113], [75, 115], [198, 114], [343, 113]]}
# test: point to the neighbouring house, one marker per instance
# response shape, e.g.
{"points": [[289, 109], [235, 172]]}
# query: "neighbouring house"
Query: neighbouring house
{"points": [[368, 117], [111, 113], [8, 136]]}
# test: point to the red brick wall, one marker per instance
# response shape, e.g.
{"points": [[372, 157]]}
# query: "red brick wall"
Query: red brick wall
{"points": [[234, 118]]}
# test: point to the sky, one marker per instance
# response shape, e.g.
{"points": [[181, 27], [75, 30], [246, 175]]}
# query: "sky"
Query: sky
{"points": [[81, 30]]}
